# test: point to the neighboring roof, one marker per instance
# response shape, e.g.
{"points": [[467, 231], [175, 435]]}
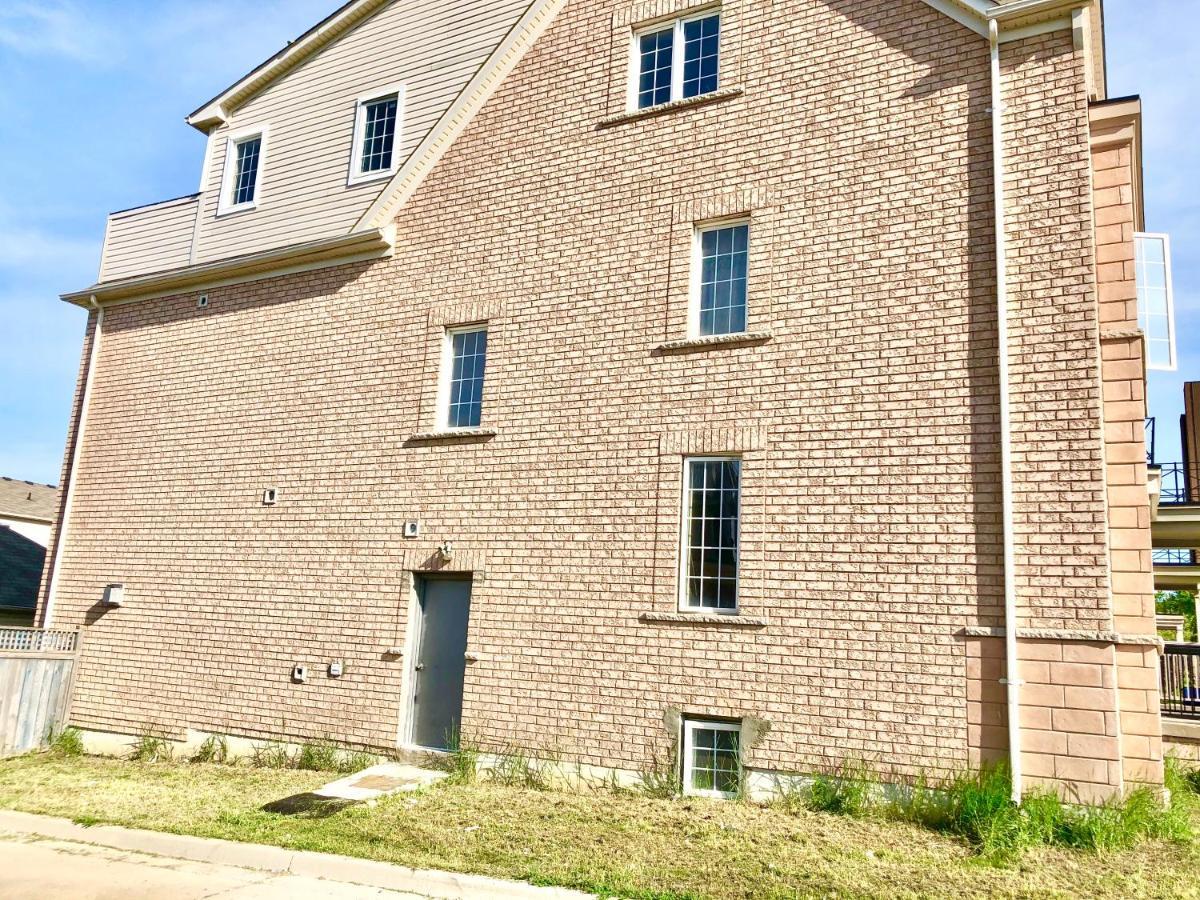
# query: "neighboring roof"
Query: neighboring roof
{"points": [[28, 500], [21, 562]]}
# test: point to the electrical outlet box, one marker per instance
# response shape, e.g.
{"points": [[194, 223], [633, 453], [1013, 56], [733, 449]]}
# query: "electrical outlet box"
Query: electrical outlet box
{"points": [[270, 495], [412, 528], [299, 673], [202, 301], [335, 669], [114, 595]]}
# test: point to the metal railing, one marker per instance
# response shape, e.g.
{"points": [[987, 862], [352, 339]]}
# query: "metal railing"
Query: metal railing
{"points": [[1179, 681], [1173, 556], [1150, 440], [1175, 488], [38, 640]]}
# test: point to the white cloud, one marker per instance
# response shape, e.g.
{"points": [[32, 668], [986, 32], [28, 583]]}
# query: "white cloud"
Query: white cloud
{"points": [[61, 29]]}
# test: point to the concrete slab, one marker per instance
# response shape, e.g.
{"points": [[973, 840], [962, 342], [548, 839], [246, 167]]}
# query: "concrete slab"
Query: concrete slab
{"points": [[379, 781]]}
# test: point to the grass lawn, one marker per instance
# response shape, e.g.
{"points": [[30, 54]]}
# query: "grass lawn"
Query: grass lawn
{"points": [[621, 844]]}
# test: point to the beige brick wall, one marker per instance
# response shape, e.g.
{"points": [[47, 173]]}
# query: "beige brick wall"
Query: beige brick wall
{"points": [[860, 148]]}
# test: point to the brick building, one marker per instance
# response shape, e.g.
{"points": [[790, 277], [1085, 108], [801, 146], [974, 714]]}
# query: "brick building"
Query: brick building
{"points": [[634, 373]]}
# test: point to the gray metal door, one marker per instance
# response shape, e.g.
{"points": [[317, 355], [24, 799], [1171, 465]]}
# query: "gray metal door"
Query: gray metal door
{"points": [[440, 660]]}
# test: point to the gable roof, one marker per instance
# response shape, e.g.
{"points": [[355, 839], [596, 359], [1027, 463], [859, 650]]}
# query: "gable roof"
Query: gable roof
{"points": [[28, 500]]}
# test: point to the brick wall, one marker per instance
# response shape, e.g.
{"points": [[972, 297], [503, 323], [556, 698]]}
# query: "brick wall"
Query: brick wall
{"points": [[867, 422]]}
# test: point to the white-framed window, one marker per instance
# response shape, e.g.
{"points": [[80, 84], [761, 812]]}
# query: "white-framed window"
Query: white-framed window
{"points": [[1155, 300], [460, 394], [377, 123], [675, 60], [708, 576], [720, 258], [712, 759], [245, 160]]}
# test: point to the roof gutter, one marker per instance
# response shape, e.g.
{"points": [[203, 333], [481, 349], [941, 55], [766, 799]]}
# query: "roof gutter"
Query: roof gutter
{"points": [[1012, 678], [371, 243]]}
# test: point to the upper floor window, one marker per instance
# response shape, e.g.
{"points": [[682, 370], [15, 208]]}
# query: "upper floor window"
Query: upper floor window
{"points": [[676, 60], [719, 304], [1155, 304], [245, 152], [376, 131], [462, 378], [711, 510]]}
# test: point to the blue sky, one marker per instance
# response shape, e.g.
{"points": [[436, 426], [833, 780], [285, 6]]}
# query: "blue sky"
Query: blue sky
{"points": [[92, 97]]}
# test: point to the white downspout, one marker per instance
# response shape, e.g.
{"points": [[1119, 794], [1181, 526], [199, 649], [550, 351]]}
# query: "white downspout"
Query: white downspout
{"points": [[1011, 663], [60, 536]]}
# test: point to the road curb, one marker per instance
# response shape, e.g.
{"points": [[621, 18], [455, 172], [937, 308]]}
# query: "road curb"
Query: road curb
{"points": [[366, 872]]}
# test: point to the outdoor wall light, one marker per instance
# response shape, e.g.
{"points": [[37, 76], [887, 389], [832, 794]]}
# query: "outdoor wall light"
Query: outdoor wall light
{"points": [[114, 595], [446, 551]]}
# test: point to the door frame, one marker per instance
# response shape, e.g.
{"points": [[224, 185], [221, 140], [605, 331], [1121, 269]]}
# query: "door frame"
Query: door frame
{"points": [[412, 643]]}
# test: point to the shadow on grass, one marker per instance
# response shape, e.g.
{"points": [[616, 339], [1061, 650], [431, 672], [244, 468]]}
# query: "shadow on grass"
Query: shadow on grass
{"points": [[308, 806]]}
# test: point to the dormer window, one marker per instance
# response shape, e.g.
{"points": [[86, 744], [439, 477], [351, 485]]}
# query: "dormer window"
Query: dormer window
{"points": [[245, 152], [676, 60], [376, 131]]}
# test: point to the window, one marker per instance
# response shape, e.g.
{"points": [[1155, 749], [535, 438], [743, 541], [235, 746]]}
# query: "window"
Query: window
{"points": [[676, 60], [712, 489], [720, 292], [712, 765], [1155, 304], [466, 355], [376, 128], [241, 185]]}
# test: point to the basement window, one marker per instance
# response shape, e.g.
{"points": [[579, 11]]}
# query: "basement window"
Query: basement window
{"points": [[712, 762]]}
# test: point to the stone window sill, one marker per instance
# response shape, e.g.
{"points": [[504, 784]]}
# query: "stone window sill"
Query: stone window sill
{"points": [[687, 618], [686, 103], [683, 345], [453, 434]]}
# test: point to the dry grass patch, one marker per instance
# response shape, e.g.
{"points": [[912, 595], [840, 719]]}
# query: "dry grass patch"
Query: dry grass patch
{"points": [[618, 844]]}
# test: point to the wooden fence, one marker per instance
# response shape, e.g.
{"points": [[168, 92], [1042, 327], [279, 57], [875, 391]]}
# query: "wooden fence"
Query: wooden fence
{"points": [[37, 675]]}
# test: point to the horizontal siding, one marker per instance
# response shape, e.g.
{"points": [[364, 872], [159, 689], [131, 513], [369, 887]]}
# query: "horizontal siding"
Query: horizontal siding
{"points": [[432, 49], [150, 239]]}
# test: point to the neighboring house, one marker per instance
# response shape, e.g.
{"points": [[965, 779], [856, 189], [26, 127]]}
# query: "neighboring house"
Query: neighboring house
{"points": [[609, 377], [27, 511]]}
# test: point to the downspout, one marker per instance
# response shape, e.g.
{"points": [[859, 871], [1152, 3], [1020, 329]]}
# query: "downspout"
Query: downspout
{"points": [[1012, 680], [60, 536]]}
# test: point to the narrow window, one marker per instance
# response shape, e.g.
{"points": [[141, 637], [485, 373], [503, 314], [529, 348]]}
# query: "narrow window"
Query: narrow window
{"points": [[712, 497], [1155, 304], [466, 357], [712, 764], [246, 181], [677, 60], [376, 133], [721, 302]]}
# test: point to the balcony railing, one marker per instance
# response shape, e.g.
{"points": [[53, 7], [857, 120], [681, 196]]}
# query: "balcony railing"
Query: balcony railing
{"points": [[1180, 681], [1150, 440], [1173, 556], [1175, 489]]}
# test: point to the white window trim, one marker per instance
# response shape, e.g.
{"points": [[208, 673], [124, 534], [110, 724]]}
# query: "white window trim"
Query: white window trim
{"points": [[635, 60], [697, 273], [356, 174], [444, 372], [684, 548], [690, 726], [225, 204], [1174, 361]]}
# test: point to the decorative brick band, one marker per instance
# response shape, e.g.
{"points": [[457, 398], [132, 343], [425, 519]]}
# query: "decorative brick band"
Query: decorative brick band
{"points": [[659, 9], [1062, 634], [715, 340], [418, 561], [717, 206], [465, 313], [1120, 334], [686, 102], [712, 440]]}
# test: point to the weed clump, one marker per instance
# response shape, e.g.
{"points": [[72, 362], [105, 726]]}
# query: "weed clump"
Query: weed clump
{"points": [[67, 742]]}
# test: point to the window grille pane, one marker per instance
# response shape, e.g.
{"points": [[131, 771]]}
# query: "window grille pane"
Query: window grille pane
{"points": [[714, 763], [723, 254], [247, 170], [468, 354], [654, 68], [711, 531], [379, 134], [701, 38]]}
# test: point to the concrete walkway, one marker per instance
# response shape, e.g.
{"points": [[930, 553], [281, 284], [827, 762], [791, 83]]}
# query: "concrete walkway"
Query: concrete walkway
{"points": [[43, 857]]}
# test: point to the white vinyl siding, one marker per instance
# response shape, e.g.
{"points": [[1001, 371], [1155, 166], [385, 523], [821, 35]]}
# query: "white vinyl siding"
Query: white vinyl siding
{"points": [[432, 50], [149, 239]]}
